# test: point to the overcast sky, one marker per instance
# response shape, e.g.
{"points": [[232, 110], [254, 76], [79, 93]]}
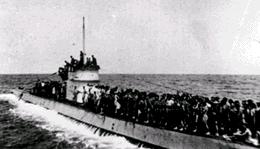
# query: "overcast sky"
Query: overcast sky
{"points": [[132, 36]]}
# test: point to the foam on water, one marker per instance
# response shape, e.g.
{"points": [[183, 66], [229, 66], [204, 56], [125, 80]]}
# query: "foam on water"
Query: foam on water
{"points": [[65, 128]]}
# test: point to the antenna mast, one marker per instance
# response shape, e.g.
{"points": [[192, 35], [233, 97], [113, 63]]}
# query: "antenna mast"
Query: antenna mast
{"points": [[83, 34], [83, 41]]}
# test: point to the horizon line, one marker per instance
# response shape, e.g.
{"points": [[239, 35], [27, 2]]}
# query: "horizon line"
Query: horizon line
{"points": [[140, 74]]}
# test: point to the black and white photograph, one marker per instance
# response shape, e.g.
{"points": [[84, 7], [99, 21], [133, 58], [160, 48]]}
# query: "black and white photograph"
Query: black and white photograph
{"points": [[129, 74]]}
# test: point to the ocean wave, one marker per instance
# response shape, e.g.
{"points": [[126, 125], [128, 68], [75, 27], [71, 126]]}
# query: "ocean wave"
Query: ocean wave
{"points": [[65, 128]]}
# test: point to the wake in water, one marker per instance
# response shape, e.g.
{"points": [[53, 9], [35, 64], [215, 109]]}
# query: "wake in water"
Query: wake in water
{"points": [[65, 128]]}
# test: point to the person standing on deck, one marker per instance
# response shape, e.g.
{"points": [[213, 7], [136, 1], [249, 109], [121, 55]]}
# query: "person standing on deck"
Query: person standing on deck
{"points": [[75, 94], [53, 90], [251, 120], [37, 87], [257, 123], [116, 103], [63, 91], [84, 94], [79, 95]]}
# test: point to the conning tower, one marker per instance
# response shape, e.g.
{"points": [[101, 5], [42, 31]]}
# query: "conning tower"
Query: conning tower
{"points": [[84, 73]]}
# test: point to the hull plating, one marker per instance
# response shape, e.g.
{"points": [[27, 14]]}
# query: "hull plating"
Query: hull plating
{"points": [[155, 136]]}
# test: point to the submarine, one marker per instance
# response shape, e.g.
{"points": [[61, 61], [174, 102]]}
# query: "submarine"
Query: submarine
{"points": [[85, 77]]}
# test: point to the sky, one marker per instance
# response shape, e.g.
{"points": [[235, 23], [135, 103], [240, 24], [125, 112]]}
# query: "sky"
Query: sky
{"points": [[132, 36]]}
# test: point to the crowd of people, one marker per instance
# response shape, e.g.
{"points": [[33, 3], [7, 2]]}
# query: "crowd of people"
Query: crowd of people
{"points": [[49, 89], [183, 112], [89, 64]]}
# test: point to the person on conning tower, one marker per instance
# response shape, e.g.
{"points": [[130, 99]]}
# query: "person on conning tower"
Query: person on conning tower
{"points": [[81, 59], [94, 60], [74, 63]]}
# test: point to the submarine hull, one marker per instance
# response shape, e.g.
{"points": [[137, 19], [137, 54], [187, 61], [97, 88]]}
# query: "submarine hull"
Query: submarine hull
{"points": [[155, 136]]}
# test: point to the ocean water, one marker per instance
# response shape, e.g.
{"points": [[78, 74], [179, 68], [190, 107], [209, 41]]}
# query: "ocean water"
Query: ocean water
{"points": [[238, 87], [23, 125]]}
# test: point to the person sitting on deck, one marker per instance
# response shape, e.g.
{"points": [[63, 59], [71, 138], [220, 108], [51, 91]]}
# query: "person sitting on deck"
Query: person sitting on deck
{"points": [[244, 135]]}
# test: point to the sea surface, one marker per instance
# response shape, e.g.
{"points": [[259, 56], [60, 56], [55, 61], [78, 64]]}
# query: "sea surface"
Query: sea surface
{"points": [[27, 126]]}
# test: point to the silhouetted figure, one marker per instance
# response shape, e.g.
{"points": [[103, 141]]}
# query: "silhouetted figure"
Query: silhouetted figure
{"points": [[88, 62], [94, 60], [68, 66], [74, 63], [81, 59], [72, 60]]}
